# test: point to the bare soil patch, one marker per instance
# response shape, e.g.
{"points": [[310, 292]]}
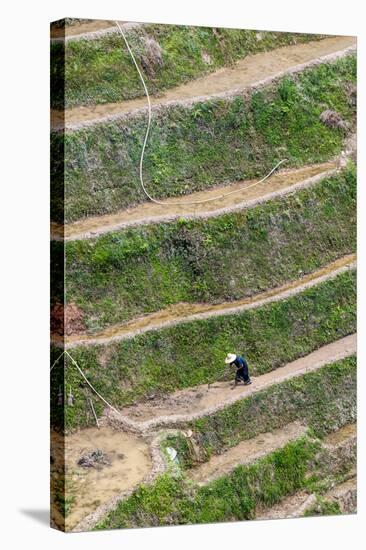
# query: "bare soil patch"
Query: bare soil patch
{"points": [[66, 319], [129, 459]]}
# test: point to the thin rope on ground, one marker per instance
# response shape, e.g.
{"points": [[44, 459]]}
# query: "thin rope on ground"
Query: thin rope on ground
{"points": [[56, 361], [90, 385], [85, 378], [166, 203]]}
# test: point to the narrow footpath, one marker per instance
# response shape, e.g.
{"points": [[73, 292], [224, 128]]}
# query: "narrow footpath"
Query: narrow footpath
{"points": [[243, 194], [245, 452], [192, 403], [81, 28], [225, 81], [185, 312]]}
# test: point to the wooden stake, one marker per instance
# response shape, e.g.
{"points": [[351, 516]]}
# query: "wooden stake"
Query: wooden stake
{"points": [[92, 408]]}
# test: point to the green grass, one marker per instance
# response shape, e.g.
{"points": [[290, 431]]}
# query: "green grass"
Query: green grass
{"points": [[173, 499], [101, 70], [192, 353], [323, 507], [325, 400], [196, 147], [327, 506], [124, 274]]}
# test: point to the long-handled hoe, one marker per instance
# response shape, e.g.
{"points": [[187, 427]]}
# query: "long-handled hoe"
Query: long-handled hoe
{"points": [[222, 377]]}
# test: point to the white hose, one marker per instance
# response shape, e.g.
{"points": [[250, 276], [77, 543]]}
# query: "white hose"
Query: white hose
{"points": [[89, 384], [155, 201], [85, 378], [146, 138]]}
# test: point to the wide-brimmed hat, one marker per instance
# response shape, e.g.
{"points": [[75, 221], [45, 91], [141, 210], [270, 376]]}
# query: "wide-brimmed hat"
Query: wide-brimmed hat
{"points": [[230, 358]]}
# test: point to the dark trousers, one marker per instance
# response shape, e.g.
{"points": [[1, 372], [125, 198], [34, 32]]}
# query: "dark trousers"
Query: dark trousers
{"points": [[242, 374]]}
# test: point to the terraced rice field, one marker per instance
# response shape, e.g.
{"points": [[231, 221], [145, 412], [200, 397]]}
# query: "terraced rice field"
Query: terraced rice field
{"points": [[147, 299]]}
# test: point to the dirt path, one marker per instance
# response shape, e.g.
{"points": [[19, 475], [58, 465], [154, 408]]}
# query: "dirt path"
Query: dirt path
{"points": [[249, 71], [296, 505], [81, 28], [184, 312], [345, 495], [245, 452], [346, 433], [192, 403], [293, 506], [281, 183]]}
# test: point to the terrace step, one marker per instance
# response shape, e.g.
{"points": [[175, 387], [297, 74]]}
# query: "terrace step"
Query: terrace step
{"points": [[185, 312], [243, 194], [245, 453], [254, 70], [192, 403]]}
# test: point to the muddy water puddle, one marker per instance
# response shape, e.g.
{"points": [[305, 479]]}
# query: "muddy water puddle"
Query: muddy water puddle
{"points": [[128, 462]]}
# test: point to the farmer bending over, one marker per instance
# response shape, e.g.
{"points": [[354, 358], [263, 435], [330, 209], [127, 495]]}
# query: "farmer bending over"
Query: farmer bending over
{"points": [[242, 372]]}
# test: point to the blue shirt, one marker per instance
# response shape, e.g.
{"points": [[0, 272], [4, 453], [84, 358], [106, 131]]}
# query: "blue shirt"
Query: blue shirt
{"points": [[240, 362]]}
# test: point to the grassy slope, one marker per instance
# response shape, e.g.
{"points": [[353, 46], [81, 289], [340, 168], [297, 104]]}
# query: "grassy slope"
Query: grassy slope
{"points": [[128, 273], [172, 500], [325, 400], [101, 70], [318, 398], [192, 353], [195, 147]]}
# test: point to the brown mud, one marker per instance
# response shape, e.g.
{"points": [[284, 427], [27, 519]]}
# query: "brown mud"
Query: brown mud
{"points": [[87, 488], [184, 312], [81, 28], [293, 506], [347, 432], [246, 72], [244, 194], [158, 466]]}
